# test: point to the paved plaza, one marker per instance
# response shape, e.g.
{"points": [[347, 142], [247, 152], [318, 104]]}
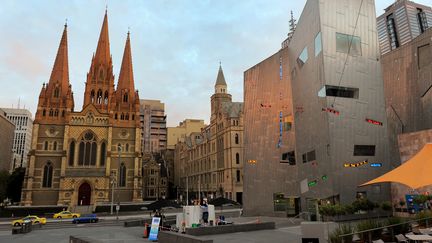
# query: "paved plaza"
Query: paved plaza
{"points": [[110, 234]]}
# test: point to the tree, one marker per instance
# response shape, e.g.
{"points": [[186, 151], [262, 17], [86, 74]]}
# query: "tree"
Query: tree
{"points": [[4, 176], [14, 184]]}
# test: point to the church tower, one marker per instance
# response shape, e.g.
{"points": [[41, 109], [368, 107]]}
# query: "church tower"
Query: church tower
{"points": [[221, 94], [125, 104], [100, 78], [56, 97]]}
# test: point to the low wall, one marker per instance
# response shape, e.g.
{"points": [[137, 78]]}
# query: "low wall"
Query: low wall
{"points": [[172, 237], [231, 228], [74, 239]]}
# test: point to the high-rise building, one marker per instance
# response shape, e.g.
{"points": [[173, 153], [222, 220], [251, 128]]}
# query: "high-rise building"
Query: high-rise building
{"points": [[401, 22], [185, 128], [315, 124], [407, 73], [81, 157], [153, 124], [210, 162], [7, 131], [23, 121]]}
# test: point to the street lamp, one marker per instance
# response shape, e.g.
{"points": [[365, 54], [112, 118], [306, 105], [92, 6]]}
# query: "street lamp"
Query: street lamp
{"points": [[113, 180], [158, 177]]}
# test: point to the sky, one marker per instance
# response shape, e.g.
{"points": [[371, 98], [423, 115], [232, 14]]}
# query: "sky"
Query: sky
{"points": [[176, 46]]}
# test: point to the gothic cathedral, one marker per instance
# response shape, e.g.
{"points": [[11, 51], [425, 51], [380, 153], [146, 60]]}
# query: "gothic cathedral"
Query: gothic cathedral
{"points": [[80, 157]]}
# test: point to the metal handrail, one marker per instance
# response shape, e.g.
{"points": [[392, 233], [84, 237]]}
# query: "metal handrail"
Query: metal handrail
{"points": [[298, 216], [383, 227]]}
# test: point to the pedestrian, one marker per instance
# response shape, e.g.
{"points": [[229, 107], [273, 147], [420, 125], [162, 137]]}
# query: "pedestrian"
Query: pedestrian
{"points": [[205, 213]]}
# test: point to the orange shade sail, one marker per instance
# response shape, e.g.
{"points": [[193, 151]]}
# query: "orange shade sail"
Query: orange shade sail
{"points": [[415, 173]]}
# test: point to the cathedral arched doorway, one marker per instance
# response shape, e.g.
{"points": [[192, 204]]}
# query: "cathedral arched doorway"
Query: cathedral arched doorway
{"points": [[84, 194]]}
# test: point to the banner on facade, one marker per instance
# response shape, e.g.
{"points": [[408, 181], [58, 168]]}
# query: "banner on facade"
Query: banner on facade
{"points": [[154, 230]]}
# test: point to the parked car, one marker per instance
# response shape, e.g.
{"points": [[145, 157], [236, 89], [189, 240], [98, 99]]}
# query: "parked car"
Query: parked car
{"points": [[34, 219], [89, 218], [66, 215]]}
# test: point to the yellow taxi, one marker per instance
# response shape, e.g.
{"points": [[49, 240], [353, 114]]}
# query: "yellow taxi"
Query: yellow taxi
{"points": [[34, 219], [66, 215]]}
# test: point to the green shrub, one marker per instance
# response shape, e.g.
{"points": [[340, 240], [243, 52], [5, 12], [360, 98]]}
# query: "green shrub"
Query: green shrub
{"points": [[399, 229], [422, 217], [367, 225], [364, 205], [342, 230], [420, 199], [386, 206]]}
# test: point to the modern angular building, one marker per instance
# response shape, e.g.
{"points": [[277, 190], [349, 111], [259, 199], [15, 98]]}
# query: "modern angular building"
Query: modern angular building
{"points": [[23, 121], [314, 114], [80, 157], [402, 22]]}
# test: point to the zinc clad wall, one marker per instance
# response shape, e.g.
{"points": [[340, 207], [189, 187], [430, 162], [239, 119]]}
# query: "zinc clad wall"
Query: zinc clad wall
{"points": [[362, 72], [265, 96], [311, 123]]}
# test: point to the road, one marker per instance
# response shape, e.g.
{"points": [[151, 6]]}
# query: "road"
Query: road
{"points": [[110, 220]]}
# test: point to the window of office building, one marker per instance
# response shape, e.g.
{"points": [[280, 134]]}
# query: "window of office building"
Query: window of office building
{"points": [[348, 44], [422, 20], [392, 33], [318, 44], [364, 150]]}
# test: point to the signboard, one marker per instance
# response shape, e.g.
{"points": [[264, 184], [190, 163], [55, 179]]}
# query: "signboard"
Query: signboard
{"points": [[154, 230]]}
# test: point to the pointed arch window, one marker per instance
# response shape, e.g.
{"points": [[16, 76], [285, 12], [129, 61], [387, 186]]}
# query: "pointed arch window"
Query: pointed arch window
{"points": [[102, 154], [236, 138], [122, 116], [115, 116], [99, 97], [56, 112], [237, 158], [125, 97], [92, 96], [55, 146], [56, 92], [127, 147], [87, 150], [47, 175], [106, 98], [63, 113], [46, 145], [133, 117], [43, 112], [127, 116], [71, 153], [51, 112], [122, 175]]}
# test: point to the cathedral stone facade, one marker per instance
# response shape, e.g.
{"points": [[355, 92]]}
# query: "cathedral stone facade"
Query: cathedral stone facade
{"points": [[81, 157]]}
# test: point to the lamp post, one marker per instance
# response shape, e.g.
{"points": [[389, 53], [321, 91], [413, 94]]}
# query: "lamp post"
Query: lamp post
{"points": [[113, 180], [158, 176]]}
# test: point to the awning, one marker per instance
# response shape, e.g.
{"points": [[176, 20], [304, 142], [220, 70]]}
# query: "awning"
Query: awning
{"points": [[415, 173]]}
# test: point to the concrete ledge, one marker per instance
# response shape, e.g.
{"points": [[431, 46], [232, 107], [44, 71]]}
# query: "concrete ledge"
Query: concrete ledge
{"points": [[74, 239], [172, 237], [231, 228], [141, 222]]}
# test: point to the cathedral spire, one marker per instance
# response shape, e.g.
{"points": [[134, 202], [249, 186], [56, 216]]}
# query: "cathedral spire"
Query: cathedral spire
{"points": [[126, 78], [103, 55], [60, 71]]}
